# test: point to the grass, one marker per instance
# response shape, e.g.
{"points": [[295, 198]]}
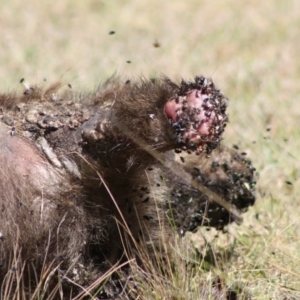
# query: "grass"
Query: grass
{"points": [[251, 50]]}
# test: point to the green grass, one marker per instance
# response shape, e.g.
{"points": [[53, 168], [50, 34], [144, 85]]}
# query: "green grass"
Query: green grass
{"points": [[251, 50]]}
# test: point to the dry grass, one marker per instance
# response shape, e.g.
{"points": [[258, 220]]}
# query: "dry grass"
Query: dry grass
{"points": [[251, 50]]}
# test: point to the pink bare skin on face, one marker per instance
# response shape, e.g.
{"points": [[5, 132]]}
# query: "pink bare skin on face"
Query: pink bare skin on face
{"points": [[195, 117]]}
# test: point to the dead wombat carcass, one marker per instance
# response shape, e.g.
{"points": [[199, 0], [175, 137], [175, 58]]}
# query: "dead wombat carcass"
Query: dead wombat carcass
{"points": [[140, 157]]}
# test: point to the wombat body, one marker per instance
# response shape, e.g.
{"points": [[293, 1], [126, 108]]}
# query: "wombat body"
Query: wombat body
{"points": [[80, 172]]}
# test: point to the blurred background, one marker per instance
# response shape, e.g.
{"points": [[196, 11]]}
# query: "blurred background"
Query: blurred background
{"points": [[251, 50]]}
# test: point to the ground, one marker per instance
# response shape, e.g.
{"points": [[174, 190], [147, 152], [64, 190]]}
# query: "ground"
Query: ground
{"points": [[249, 48]]}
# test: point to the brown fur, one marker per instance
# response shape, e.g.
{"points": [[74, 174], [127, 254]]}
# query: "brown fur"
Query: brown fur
{"points": [[68, 171]]}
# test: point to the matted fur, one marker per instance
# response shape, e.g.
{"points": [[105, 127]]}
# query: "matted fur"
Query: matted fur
{"points": [[70, 176]]}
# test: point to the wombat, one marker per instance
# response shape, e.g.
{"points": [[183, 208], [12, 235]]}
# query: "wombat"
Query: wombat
{"points": [[136, 161]]}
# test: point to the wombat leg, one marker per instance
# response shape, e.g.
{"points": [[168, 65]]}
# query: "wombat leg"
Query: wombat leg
{"points": [[226, 173]]}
